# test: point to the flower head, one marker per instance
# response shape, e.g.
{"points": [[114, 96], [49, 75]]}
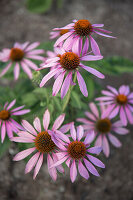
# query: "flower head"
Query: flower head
{"points": [[80, 30], [68, 63], [105, 130], [7, 123], [20, 55], [77, 153], [42, 140], [120, 101]]}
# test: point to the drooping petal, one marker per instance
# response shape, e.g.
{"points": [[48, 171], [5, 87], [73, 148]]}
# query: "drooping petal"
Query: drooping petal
{"points": [[94, 46], [3, 132], [82, 84], [5, 69], [16, 71], [38, 166], [91, 168], [73, 171], [52, 171], [26, 70], [96, 161], [98, 142], [58, 83], [82, 170], [129, 115], [31, 163], [94, 109], [85, 47], [123, 116], [93, 71], [114, 140], [66, 85], [9, 130], [49, 76], [106, 148]]}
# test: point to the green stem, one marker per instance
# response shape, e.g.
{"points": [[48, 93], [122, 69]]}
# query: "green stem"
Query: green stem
{"points": [[69, 94]]}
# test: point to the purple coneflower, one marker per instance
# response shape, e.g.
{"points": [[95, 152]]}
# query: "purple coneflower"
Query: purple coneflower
{"points": [[42, 144], [7, 123], [77, 153], [69, 63], [80, 30], [120, 101], [20, 55], [101, 123]]}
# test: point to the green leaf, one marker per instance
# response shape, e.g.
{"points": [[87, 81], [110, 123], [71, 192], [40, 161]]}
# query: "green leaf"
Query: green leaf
{"points": [[39, 6], [4, 146], [76, 101]]}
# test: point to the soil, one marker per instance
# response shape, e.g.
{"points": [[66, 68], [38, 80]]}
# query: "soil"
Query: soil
{"points": [[116, 181]]}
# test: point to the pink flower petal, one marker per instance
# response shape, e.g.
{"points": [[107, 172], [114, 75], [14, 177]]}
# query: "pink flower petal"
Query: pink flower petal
{"points": [[95, 150], [98, 142], [9, 130], [3, 132], [123, 116], [26, 70], [114, 140], [22, 139], [31, 163], [38, 166], [91, 168], [58, 83], [21, 112], [114, 113], [112, 89], [62, 136], [30, 64], [129, 115], [23, 154], [95, 47], [25, 134], [93, 71], [102, 34], [58, 122], [46, 120], [82, 170], [28, 127], [73, 132], [89, 138], [37, 124], [106, 148], [94, 109], [16, 71], [63, 37], [11, 104], [85, 47], [32, 46], [49, 76], [80, 132], [65, 128], [96, 161], [82, 84], [66, 85], [73, 171], [5, 69]]}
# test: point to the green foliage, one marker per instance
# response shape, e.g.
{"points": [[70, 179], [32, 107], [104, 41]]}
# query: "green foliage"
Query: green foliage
{"points": [[115, 65], [39, 6], [42, 6], [4, 147]]}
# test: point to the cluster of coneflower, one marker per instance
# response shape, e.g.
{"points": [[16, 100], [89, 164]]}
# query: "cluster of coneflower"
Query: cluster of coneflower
{"points": [[63, 143]]}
